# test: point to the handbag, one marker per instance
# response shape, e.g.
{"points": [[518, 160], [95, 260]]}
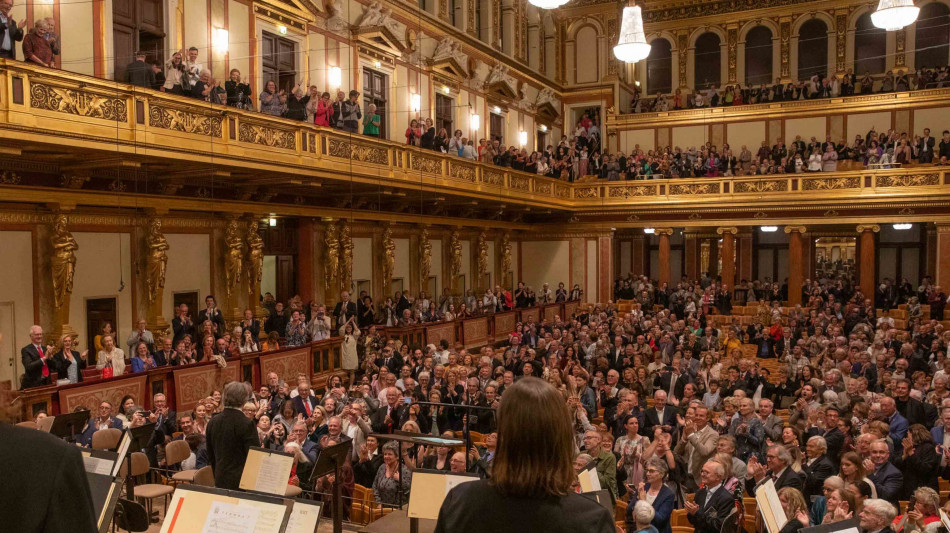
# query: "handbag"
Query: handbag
{"points": [[107, 371]]}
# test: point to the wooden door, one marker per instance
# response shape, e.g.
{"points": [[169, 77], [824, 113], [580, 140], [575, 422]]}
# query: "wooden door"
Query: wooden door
{"points": [[286, 278], [10, 367], [188, 298], [98, 312]]}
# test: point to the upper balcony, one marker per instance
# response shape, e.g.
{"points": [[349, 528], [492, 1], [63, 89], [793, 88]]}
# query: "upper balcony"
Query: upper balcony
{"points": [[80, 140]]}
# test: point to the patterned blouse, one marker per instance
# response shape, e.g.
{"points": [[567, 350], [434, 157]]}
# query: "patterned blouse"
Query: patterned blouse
{"points": [[631, 450]]}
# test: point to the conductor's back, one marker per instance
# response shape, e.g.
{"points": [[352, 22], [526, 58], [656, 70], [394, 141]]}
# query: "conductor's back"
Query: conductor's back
{"points": [[230, 435]]}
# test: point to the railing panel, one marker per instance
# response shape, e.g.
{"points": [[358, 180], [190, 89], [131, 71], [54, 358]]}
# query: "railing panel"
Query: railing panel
{"points": [[475, 331], [287, 364], [196, 383], [112, 391]]}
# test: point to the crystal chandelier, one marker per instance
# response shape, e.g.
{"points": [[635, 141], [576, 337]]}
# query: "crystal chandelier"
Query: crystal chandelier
{"points": [[892, 15], [632, 45], [547, 4]]}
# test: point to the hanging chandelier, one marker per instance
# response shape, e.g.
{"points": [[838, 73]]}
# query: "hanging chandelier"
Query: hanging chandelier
{"points": [[632, 45], [547, 4], [892, 15]]}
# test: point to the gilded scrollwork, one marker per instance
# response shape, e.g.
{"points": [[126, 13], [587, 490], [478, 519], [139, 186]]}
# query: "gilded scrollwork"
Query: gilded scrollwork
{"points": [[826, 184], [267, 136], [389, 258], [561, 191], [493, 177], [455, 259], [331, 241], [431, 165], [425, 259], [694, 188], [631, 191], [255, 257], [77, 102], [184, 121], [760, 186], [346, 256], [357, 152], [912, 180], [520, 183], [462, 171], [482, 257], [543, 187], [586, 192], [234, 256]]}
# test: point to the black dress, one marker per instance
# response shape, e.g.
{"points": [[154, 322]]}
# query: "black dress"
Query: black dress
{"points": [[476, 506]]}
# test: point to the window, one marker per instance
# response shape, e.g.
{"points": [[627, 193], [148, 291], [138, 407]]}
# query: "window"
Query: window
{"points": [[500, 24], [444, 113], [278, 58], [758, 56], [452, 8], [138, 25], [813, 49], [496, 127], [660, 67], [374, 92], [708, 60], [870, 47], [932, 37]]}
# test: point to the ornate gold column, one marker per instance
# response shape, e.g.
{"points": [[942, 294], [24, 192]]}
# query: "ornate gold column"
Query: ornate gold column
{"points": [[841, 41], [156, 261], [389, 259], [867, 258], [900, 61], [233, 268], [481, 262], [331, 269], [732, 46], [785, 36], [728, 255], [663, 276], [455, 262], [795, 264], [505, 260], [63, 270], [346, 257], [682, 46], [255, 266]]}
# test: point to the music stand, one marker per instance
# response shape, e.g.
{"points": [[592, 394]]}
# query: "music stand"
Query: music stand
{"points": [[330, 461], [67, 426], [139, 438], [468, 408]]}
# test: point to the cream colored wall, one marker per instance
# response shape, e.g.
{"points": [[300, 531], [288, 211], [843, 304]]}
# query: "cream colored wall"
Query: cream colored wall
{"points": [[553, 269], [16, 269], [750, 134], [399, 114], [861, 123], [806, 127], [239, 46], [269, 275], [102, 259], [188, 269], [590, 291], [937, 119], [645, 138], [467, 269], [626, 253], [491, 264], [515, 264], [363, 259], [690, 136], [401, 266], [436, 268], [317, 58], [584, 60], [77, 39], [196, 30]]}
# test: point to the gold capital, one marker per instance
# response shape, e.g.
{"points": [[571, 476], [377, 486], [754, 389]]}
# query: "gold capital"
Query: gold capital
{"points": [[868, 227], [732, 230], [663, 231], [799, 229]]}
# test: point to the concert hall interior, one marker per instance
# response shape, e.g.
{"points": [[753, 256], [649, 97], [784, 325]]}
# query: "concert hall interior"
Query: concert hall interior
{"points": [[346, 232]]}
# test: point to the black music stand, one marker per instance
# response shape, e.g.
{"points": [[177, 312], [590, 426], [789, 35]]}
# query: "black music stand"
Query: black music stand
{"points": [[330, 460], [468, 410], [139, 438], [67, 426]]}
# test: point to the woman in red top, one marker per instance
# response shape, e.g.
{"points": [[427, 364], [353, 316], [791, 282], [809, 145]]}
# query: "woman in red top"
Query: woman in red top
{"points": [[324, 111]]}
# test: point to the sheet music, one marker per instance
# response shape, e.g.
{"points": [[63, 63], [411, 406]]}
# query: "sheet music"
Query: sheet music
{"points": [[270, 517], [589, 480], [97, 465], [123, 450], [303, 518], [453, 481], [231, 518], [273, 474]]}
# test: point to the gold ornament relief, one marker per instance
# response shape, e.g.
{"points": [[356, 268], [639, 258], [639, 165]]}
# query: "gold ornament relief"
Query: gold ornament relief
{"points": [[76, 102]]}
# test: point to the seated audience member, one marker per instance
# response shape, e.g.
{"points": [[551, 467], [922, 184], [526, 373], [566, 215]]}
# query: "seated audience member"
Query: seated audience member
{"points": [[713, 503], [887, 478], [103, 420], [923, 517], [796, 510], [142, 359], [640, 518], [876, 516], [655, 493]]}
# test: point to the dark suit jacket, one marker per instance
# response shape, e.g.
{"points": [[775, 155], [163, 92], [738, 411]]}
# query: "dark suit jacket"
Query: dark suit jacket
{"points": [[341, 314], [214, 316], [888, 481], [789, 478], [140, 73], [709, 518], [378, 420], [60, 365], [835, 440], [32, 368], [45, 488], [299, 404], [651, 419], [85, 438], [229, 435], [815, 476], [181, 330], [16, 34], [662, 382], [161, 358], [395, 363]]}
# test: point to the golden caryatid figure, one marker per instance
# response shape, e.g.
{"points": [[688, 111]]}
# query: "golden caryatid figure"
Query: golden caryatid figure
{"points": [[157, 259], [234, 258], [255, 253], [455, 248], [425, 247], [481, 261], [331, 240], [346, 257], [505, 258], [63, 261], [389, 258]]}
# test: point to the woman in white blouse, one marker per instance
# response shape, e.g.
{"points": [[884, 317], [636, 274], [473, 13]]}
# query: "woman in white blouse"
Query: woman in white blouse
{"points": [[110, 356]]}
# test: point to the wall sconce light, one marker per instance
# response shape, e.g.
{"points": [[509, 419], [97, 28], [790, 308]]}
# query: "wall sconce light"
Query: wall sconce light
{"points": [[282, 30], [219, 39], [377, 64], [543, 128], [903, 226], [649, 231], [496, 110], [445, 89], [476, 122], [415, 102], [769, 229], [335, 77], [523, 138], [272, 222]]}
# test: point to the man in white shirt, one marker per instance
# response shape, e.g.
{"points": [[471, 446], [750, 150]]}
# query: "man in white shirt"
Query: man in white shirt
{"points": [[319, 327], [441, 355]]}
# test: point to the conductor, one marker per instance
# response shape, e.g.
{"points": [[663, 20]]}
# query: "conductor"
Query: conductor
{"points": [[229, 436], [531, 476]]}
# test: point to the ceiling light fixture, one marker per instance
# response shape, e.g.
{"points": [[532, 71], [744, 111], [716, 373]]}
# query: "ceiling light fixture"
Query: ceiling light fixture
{"points": [[892, 15], [632, 45], [903, 226], [769, 229]]}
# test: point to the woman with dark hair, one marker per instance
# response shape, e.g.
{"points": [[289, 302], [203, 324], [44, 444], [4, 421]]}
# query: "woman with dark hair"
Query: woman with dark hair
{"points": [[532, 473], [919, 462]]}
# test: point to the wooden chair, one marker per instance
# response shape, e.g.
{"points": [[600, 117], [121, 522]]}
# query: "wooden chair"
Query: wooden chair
{"points": [[620, 511], [106, 439], [204, 477], [177, 451], [678, 518], [147, 491], [131, 516], [683, 529]]}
